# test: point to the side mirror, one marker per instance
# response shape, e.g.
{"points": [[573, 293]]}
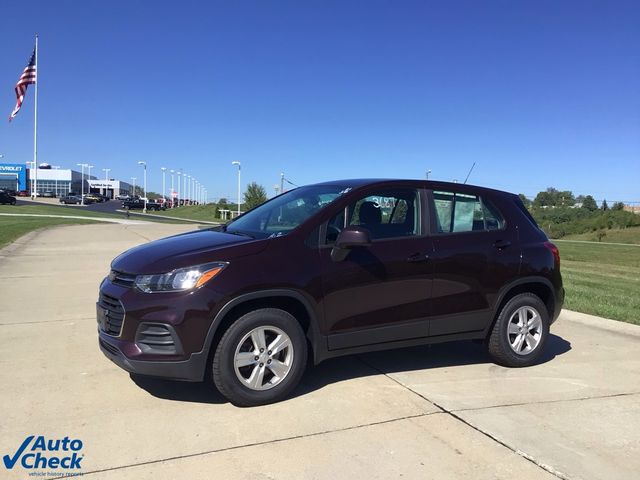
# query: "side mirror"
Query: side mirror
{"points": [[349, 238]]}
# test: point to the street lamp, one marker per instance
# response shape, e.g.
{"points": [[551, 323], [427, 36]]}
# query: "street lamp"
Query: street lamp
{"points": [[82, 165], [179, 173], [89, 167], [106, 179], [428, 173], [235, 162], [144, 165], [172, 172], [55, 167], [164, 197], [184, 188]]}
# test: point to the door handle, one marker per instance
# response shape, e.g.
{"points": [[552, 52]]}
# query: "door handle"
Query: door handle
{"points": [[500, 244], [418, 257]]}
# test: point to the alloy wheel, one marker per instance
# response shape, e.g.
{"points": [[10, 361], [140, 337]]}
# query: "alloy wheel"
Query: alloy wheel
{"points": [[263, 358], [524, 330]]}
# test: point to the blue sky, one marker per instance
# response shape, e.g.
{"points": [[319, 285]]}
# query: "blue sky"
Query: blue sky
{"points": [[538, 93]]}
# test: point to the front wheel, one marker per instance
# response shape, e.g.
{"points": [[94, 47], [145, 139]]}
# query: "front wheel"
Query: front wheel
{"points": [[260, 358], [520, 331]]}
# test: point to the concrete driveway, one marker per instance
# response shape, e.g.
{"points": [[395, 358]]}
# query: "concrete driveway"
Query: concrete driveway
{"points": [[430, 412]]}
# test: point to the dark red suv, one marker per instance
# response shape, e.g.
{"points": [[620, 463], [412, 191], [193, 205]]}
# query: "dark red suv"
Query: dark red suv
{"points": [[327, 270]]}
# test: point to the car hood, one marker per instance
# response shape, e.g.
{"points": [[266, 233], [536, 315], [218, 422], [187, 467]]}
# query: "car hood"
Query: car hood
{"points": [[185, 250]]}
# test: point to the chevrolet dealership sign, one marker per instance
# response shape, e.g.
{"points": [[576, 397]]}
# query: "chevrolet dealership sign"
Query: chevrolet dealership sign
{"points": [[17, 171]]}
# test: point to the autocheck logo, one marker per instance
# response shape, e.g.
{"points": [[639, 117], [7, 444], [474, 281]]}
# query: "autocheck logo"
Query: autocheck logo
{"points": [[43, 454]]}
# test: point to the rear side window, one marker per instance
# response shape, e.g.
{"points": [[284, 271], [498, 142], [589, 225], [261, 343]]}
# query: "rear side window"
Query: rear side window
{"points": [[461, 212]]}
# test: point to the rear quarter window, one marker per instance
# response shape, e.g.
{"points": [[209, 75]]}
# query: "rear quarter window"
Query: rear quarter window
{"points": [[462, 212]]}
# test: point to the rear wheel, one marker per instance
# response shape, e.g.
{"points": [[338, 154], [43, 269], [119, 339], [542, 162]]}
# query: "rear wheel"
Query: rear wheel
{"points": [[260, 358], [520, 331]]}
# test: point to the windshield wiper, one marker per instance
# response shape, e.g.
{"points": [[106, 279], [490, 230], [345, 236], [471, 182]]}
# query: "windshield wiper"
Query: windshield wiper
{"points": [[238, 232]]}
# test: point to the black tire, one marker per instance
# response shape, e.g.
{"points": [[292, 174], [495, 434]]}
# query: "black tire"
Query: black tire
{"points": [[224, 373], [499, 344]]}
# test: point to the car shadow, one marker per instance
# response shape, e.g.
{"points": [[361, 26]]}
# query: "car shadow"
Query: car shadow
{"points": [[198, 392], [335, 370]]}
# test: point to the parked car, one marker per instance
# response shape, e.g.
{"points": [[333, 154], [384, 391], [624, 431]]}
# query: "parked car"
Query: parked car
{"points": [[49, 194], [5, 198], [138, 204], [328, 270], [122, 197], [71, 199], [23, 193], [94, 197]]}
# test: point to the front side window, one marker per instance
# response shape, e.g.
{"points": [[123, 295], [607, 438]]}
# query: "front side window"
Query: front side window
{"points": [[460, 212], [386, 214], [282, 214]]}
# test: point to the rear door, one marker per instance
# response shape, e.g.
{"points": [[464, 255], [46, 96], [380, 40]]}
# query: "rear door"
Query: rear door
{"points": [[475, 253], [382, 292]]}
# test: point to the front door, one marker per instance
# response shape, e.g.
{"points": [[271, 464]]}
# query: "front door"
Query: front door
{"points": [[382, 292]]}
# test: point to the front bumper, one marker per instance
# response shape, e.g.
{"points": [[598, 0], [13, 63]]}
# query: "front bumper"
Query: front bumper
{"points": [[159, 335], [191, 370]]}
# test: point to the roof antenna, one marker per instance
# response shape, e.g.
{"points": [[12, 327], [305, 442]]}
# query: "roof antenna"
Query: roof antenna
{"points": [[470, 170]]}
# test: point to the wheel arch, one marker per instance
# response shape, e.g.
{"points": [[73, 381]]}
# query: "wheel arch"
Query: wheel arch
{"points": [[291, 301], [540, 286]]}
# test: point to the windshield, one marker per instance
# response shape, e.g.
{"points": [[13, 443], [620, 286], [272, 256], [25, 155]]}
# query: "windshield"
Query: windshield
{"points": [[281, 215]]}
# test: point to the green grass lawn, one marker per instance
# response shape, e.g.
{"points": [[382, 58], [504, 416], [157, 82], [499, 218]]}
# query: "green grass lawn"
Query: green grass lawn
{"points": [[42, 209], [13, 227], [196, 212], [601, 279], [627, 235]]}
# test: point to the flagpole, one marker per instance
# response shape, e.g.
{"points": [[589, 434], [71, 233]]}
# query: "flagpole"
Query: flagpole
{"points": [[34, 193]]}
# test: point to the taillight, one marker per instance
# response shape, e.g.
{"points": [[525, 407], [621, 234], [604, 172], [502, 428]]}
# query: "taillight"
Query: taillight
{"points": [[555, 251]]}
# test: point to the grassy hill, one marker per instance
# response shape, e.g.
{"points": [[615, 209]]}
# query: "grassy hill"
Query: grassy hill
{"points": [[626, 235], [196, 212]]}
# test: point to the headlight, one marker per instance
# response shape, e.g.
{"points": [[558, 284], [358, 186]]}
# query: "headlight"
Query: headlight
{"points": [[181, 279]]}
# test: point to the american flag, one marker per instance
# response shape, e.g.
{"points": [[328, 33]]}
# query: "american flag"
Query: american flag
{"points": [[28, 77]]}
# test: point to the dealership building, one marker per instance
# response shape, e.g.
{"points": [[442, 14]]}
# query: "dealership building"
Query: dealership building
{"points": [[15, 177]]}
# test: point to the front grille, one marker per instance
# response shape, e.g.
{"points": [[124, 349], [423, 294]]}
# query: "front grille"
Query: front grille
{"points": [[121, 278], [158, 339], [113, 312]]}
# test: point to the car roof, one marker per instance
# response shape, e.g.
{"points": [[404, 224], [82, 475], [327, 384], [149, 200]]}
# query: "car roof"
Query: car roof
{"points": [[430, 184]]}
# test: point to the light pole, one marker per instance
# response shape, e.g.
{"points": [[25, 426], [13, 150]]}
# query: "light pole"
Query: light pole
{"points": [[236, 162], [282, 182], [179, 173], [172, 172], [144, 165], [428, 173], [164, 197], [106, 179], [134, 186], [89, 167], [82, 165], [184, 187], [55, 167]]}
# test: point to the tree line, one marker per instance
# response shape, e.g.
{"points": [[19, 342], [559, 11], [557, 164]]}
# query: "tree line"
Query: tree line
{"points": [[560, 213]]}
